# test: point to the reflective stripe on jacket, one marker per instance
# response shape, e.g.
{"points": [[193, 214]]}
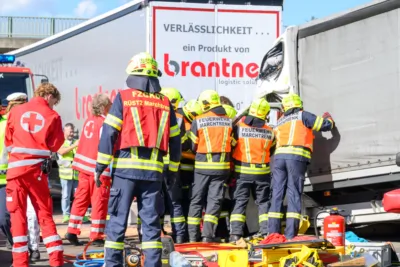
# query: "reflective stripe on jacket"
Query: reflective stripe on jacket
{"points": [[3, 151], [210, 134], [86, 154], [294, 134], [143, 134], [33, 131], [65, 170], [252, 147]]}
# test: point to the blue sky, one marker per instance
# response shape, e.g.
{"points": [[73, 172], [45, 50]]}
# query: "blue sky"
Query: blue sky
{"points": [[295, 11]]}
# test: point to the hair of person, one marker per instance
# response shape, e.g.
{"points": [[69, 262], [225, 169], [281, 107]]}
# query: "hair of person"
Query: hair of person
{"points": [[226, 101], [46, 89], [16, 102], [69, 125], [99, 103]]}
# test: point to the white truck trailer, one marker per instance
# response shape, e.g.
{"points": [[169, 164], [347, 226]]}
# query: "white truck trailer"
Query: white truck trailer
{"points": [[346, 64], [198, 46]]}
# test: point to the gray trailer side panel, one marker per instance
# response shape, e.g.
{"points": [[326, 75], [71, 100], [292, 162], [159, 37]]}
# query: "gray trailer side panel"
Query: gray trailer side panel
{"points": [[353, 72]]}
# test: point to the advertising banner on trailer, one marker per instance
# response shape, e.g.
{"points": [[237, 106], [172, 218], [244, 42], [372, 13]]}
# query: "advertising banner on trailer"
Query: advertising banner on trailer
{"points": [[206, 46]]}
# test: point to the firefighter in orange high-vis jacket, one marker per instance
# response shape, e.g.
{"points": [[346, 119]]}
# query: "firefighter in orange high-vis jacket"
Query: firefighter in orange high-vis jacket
{"points": [[189, 111], [87, 193], [294, 145], [253, 141], [222, 231], [139, 130], [34, 130], [210, 134]]}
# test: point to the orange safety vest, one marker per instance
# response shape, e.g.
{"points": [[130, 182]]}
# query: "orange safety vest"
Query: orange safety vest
{"points": [[253, 144], [146, 118], [290, 131], [86, 155], [214, 133]]}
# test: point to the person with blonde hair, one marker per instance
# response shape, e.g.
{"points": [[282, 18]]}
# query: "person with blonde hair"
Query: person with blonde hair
{"points": [[33, 132], [87, 193]]}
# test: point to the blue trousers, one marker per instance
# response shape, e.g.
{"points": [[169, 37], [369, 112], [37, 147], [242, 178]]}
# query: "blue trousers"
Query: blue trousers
{"points": [[288, 177], [68, 188], [5, 223], [173, 198], [121, 196]]}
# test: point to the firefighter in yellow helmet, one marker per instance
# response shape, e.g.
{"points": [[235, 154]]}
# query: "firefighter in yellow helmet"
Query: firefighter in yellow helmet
{"points": [[222, 231], [230, 111], [173, 192], [138, 131], [210, 136], [189, 111], [253, 144], [294, 146]]}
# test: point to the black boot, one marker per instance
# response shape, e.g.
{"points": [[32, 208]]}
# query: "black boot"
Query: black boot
{"points": [[98, 243], [207, 240], [34, 255], [8, 244], [180, 240], [73, 239], [234, 238]]}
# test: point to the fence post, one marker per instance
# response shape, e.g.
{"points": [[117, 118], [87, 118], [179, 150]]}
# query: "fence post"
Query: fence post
{"points": [[52, 26], [10, 27]]}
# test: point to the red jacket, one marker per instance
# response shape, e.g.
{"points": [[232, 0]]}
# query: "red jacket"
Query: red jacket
{"points": [[86, 155], [33, 131]]}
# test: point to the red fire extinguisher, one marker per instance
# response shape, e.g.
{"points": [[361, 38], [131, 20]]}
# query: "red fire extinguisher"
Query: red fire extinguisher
{"points": [[335, 228]]}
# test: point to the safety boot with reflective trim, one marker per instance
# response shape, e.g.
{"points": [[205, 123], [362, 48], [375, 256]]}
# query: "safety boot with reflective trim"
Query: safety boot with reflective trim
{"points": [[34, 255], [98, 243], [208, 240], [73, 239], [234, 238], [180, 240]]}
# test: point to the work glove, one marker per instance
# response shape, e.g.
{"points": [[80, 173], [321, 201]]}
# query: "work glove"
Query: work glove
{"points": [[97, 179], [327, 115]]}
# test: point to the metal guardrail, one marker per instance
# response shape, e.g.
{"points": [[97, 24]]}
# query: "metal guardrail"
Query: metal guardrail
{"points": [[34, 27]]}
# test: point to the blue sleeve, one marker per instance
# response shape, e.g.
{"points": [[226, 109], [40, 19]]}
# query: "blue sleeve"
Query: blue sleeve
{"points": [[316, 123], [175, 146], [111, 128]]}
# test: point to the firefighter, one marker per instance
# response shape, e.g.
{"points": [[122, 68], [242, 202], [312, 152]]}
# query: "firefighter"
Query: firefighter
{"points": [[144, 123], [173, 192], [223, 223], [253, 142], [34, 130], [189, 111], [294, 145], [68, 177], [87, 193], [210, 136]]}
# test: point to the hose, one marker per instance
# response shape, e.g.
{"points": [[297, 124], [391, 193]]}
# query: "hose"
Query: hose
{"points": [[89, 263], [315, 221]]}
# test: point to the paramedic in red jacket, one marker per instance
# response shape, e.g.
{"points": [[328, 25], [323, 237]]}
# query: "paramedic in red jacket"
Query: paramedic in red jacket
{"points": [[34, 130], [87, 193]]}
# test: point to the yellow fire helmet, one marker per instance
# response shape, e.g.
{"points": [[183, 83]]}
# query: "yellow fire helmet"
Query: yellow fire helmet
{"points": [[209, 99], [291, 101], [259, 108], [173, 95], [192, 109], [230, 111], [143, 64]]}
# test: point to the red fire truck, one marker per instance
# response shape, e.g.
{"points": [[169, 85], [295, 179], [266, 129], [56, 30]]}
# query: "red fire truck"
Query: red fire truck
{"points": [[15, 77]]}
